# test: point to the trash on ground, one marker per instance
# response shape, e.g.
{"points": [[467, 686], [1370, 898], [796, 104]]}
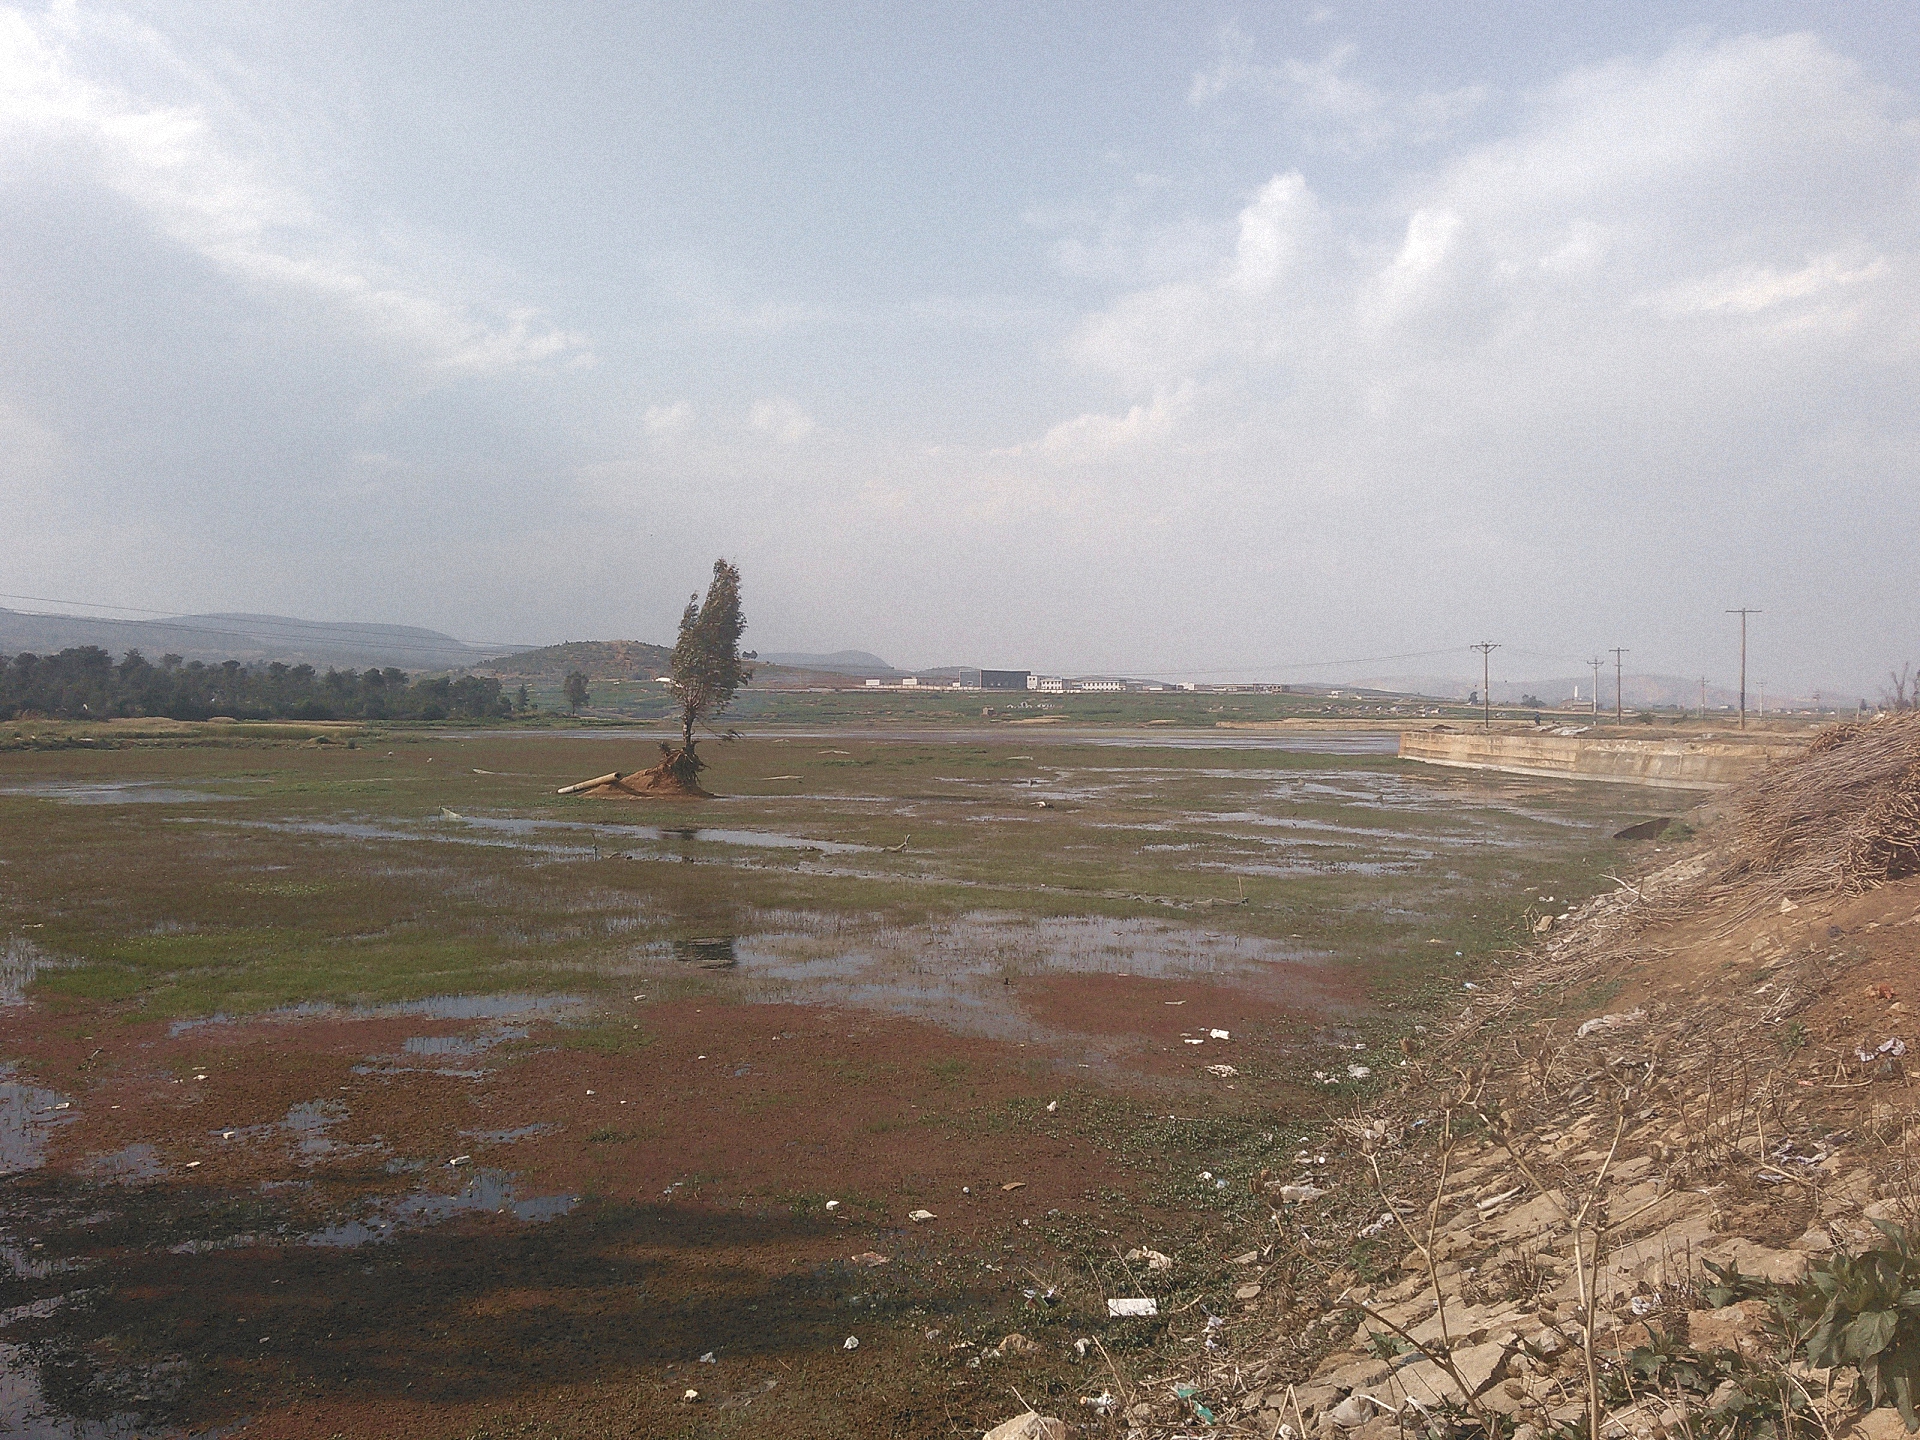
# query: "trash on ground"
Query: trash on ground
{"points": [[1225, 1072], [1300, 1194], [1155, 1260], [920, 1217], [1219, 1035], [1014, 1185], [1246, 1292], [690, 1396], [833, 1204], [1052, 1105], [852, 1342], [1610, 1022], [460, 1160], [1128, 1308], [1247, 1259], [869, 1258], [1030, 1426], [707, 1359]]}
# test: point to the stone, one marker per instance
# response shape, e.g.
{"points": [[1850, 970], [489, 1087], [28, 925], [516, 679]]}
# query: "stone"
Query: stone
{"points": [[1354, 1411], [1246, 1292], [1030, 1426], [1352, 1374], [1882, 1424], [1740, 1328]]}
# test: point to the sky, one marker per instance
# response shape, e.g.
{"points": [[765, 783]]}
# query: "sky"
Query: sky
{"points": [[1202, 340]]}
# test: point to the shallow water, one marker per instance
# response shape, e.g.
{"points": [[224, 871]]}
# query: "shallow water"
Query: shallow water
{"points": [[963, 974], [113, 792], [486, 1192], [28, 1117]]}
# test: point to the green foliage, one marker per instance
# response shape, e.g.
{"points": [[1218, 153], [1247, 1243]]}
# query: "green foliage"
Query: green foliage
{"points": [[1858, 1311], [84, 683], [707, 666], [1730, 1287], [1868, 1316], [575, 690], [1755, 1404]]}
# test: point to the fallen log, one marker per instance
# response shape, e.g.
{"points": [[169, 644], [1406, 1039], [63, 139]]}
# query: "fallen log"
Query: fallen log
{"points": [[610, 778]]}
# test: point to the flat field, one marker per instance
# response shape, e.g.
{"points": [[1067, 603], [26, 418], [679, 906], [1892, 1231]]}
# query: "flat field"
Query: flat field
{"points": [[379, 1090]]}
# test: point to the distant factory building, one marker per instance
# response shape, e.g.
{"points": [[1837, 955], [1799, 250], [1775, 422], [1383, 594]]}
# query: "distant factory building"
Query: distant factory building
{"points": [[1003, 679]]}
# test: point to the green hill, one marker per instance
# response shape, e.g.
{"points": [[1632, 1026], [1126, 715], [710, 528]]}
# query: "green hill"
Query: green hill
{"points": [[599, 659]]}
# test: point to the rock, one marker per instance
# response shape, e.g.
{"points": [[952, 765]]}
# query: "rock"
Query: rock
{"points": [[1354, 1411], [1246, 1292], [1353, 1375], [1030, 1426], [1882, 1424], [1740, 1328], [1785, 1267]]}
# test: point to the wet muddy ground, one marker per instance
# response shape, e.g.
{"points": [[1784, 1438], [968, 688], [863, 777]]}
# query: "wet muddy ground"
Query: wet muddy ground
{"points": [[378, 1091]]}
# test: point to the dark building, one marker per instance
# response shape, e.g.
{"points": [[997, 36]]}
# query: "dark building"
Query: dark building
{"points": [[1003, 680]]}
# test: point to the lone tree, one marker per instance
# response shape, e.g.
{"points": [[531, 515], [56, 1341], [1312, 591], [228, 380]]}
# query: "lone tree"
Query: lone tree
{"points": [[707, 666], [576, 689]]}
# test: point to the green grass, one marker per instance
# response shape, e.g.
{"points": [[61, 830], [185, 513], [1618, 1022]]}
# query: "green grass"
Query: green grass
{"points": [[233, 904]]}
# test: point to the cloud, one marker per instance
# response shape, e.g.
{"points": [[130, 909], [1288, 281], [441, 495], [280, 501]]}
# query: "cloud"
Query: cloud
{"points": [[1324, 99], [661, 421], [189, 151], [781, 418]]}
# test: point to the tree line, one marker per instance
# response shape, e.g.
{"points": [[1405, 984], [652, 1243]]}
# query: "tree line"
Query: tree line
{"points": [[85, 683]]}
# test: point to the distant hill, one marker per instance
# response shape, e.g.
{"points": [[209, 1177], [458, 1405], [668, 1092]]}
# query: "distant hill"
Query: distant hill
{"points": [[844, 662], [597, 659], [251, 639]]}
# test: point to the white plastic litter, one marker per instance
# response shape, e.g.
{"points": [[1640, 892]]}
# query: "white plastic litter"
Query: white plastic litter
{"points": [[1132, 1309]]}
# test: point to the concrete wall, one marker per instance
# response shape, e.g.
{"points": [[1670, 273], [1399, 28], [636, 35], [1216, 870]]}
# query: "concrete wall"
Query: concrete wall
{"points": [[1666, 764]]}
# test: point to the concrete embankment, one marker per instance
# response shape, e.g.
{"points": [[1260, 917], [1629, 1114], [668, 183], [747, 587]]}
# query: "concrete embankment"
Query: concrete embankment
{"points": [[1692, 764]]}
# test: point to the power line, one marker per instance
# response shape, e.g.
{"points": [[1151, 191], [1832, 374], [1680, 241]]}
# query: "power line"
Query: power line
{"points": [[1743, 613], [1486, 649]]}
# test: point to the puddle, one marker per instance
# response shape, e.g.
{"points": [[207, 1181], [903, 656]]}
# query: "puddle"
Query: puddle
{"points": [[28, 1117], [515, 829], [691, 834], [133, 1165], [20, 962], [309, 1124], [113, 792], [488, 1192], [963, 975], [507, 1137], [434, 1007], [461, 1044], [25, 1410], [719, 952]]}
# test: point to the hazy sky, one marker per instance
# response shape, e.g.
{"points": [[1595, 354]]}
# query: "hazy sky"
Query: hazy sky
{"points": [[1170, 338]]}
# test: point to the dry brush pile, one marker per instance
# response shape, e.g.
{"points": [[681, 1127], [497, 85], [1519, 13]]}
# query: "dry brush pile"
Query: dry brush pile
{"points": [[1685, 1218]]}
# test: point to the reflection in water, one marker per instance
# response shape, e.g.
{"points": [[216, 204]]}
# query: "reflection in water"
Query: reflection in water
{"points": [[28, 1116], [713, 952], [489, 1192]]}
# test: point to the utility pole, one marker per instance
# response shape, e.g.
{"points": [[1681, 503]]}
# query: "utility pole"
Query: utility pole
{"points": [[1763, 699], [1743, 612], [1703, 697], [1486, 649], [1596, 662], [1618, 651]]}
